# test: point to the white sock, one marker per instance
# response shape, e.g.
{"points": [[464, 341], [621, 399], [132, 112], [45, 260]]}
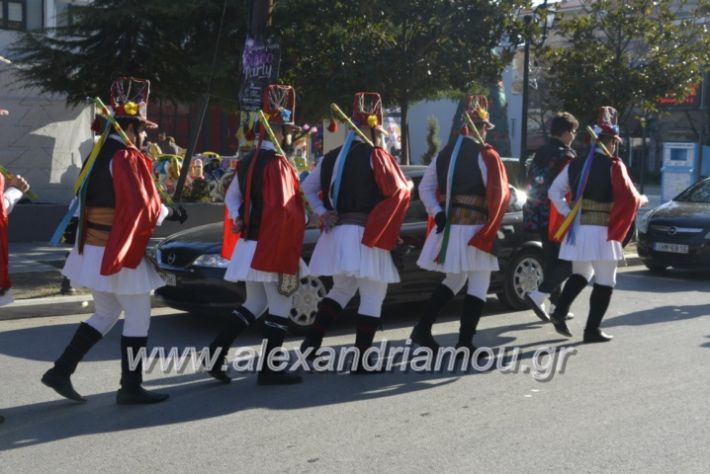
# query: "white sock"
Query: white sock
{"points": [[538, 297]]}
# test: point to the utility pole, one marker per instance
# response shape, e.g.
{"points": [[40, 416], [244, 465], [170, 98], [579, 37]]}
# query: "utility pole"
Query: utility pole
{"points": [[526, 80], [703, 121], [260, 17], [195, 135]]}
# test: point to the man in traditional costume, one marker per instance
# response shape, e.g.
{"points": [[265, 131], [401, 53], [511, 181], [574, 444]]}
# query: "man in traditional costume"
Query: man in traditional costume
{"points": [[119, 207], [11, 191], [548, 162], [465, 190], [604, 208], [265, 206], [361, 196]]}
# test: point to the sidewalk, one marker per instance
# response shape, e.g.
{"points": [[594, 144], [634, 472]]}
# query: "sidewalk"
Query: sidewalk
{"points": [[35, 271]]}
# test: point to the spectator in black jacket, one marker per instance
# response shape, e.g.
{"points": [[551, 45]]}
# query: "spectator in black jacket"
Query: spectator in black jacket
{"points": [[543, 168]]}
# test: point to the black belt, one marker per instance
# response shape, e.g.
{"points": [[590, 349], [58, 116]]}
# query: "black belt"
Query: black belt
{"points": [[95, 226]]}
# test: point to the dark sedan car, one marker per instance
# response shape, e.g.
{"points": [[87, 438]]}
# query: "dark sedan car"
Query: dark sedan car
{"points": [[193, 267], [677, 233]]}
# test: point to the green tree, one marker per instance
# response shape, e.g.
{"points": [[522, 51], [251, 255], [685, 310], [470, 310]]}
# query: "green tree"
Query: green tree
{"points": [[167, 41], [628, 54], [407, 51], [432, 140]]}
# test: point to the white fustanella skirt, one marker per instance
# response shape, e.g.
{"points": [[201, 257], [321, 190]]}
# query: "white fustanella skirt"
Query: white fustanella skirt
{"points": [[239, 268], [84, 271], [591, 245], [460, 257], [340, 252]]}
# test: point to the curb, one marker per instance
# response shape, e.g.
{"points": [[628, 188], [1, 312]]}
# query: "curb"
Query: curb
{"points": [[54, 306], [633, 260], [83, 304]]}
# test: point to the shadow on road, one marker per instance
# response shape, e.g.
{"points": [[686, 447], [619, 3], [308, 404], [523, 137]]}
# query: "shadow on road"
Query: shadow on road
{"points": [[670, 281], [196, 396], [661, 314]]}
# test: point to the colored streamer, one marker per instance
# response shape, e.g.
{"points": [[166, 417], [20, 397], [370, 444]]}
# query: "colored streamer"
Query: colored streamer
{"points": [[441, 258], [338, 176]]}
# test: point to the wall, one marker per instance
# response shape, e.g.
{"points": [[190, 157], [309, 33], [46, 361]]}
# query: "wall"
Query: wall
{"points": [[43, 139]]}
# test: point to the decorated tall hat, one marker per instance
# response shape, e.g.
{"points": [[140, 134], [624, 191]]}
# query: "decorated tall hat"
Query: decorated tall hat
{"points": [[367, 109], [476, 106], [129, 99], [608, 122], [279, 105]]}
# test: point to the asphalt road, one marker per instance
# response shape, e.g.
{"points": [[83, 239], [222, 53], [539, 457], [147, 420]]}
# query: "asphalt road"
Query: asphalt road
{"points": [[637, 404]]}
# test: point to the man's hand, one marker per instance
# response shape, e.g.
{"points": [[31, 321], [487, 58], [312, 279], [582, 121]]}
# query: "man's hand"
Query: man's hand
{"points": [[177, 214], [644, 200], [237, 225], [328, 219], [440, 219], [20, 183]]}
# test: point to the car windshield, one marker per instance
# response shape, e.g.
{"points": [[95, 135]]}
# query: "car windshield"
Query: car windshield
{"points": [[700, 192]]}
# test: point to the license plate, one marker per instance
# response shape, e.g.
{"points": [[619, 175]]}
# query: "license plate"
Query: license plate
{"points": [[170, 279], [671, 248]]}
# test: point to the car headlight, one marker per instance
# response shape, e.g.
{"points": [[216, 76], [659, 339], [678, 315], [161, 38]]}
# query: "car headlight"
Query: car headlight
{"points": [[643, 221], [520, 196], [211, 260]]}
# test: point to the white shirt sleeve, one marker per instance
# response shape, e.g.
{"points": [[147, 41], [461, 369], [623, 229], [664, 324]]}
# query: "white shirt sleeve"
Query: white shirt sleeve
{"points": [[484, 169], [164, 212], [233, 197], [11, 196], [558, 190], [311, 189], [427, 190]]}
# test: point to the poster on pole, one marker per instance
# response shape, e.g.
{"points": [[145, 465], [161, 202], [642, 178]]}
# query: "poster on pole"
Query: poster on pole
{"points": [[260, 67]]}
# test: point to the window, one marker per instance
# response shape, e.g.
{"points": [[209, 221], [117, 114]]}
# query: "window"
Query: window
{"points": [[13, 14]]}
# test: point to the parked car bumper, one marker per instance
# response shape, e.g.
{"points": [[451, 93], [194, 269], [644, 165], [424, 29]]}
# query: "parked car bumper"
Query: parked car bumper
{"points": [[697, 256]]}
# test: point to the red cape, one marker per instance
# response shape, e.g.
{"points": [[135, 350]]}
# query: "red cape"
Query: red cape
{"points": [[4, 247], [137, 211], [229, 238], [497, 198], [626, 201], [385, 220], [283, 222]]}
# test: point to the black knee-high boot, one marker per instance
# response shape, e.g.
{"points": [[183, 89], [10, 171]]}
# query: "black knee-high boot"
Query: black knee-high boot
{"points": [[59, 376], [328, 311], [598, 304], [366, 328], [236, 323], [574, 286], [470, 316], [275, 328], [421, 334], [131, 391]]}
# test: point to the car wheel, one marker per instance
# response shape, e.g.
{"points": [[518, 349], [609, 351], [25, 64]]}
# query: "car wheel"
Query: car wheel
{"points": [[305, 303], [523, 274], [655, 268]]}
